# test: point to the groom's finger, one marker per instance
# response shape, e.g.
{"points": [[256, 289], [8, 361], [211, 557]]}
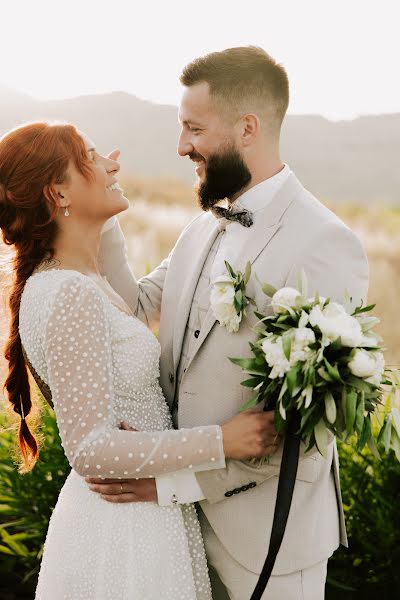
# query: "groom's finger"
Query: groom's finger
{"points": [[120, 498]]}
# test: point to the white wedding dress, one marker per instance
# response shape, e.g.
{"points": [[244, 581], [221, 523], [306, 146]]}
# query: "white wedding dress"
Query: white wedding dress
{"points": [[102, 366]]}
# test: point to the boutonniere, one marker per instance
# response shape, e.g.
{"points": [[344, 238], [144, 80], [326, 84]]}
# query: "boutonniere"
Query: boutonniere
{"points": [[228, 297]]}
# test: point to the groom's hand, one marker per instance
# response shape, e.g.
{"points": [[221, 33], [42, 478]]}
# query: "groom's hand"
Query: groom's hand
{"points": [[124, 490]]}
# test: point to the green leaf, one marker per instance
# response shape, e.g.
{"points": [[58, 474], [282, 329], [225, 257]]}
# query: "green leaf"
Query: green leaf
{"points": [[333, 371], [239, 296], [250, 403], [365, 433], [247, 272], [6, 550], [308, 396], [373, 448], [360, 415], [351, 404], [252, 383], [302, 283], [230, 270], [396, 419], [359, 309], [385, 434], [287, 345], [330, 407], [395, 443], [268, 289], [321, 437], [324, 374]]}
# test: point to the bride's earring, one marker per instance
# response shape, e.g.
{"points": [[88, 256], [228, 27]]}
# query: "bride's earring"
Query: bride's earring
{"points": [[66, 212]]}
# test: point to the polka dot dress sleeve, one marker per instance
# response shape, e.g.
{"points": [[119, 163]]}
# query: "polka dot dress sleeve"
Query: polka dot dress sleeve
{"points": [[80, 372]]}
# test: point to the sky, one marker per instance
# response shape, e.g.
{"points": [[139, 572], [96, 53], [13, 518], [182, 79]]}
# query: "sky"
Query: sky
{"points": [[342, 56]]}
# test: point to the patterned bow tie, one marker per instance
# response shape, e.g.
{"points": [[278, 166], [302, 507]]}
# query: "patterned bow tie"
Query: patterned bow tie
{"points": [[234, 212]]}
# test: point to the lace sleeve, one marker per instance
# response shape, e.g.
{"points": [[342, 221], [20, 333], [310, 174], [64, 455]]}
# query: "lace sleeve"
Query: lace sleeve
{"points": [[79, 363]]}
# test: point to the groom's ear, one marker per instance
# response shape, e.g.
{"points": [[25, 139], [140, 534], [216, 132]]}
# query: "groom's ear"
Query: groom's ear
{"points": [[250, 128]]}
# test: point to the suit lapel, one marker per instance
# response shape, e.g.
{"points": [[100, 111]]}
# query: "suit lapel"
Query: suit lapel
{"points": [[263, 230], [199, 252]]}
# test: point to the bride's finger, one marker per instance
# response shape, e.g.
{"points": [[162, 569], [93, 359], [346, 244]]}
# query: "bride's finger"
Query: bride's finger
{"points": [[114, 155]]}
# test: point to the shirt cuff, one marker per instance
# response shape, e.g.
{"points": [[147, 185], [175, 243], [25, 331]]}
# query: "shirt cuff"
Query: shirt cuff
{"points": [[181, 487]]}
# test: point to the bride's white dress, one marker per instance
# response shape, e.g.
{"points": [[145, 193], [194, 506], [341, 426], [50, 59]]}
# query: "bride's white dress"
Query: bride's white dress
{"points": [[102, 366]]}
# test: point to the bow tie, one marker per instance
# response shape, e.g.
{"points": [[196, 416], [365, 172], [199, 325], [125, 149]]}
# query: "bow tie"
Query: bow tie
{"points": [[234, 212]]}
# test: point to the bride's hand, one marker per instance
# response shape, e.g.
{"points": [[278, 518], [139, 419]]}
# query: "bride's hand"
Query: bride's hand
{"points": [[250, 434]]}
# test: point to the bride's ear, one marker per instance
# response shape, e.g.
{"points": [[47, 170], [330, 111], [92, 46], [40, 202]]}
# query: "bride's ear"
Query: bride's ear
{"points": [[54, 193]]}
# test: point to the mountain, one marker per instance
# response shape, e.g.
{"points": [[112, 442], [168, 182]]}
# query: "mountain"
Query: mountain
{"points": [[341, 161]]}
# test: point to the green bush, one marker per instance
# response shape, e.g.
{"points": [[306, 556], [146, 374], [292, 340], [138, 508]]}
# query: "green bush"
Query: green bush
{"points": [[371, 495], [371, 498], [26, 503]]}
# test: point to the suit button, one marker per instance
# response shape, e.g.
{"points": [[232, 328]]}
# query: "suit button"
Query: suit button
{"points": [[171, 377], [245, 488], [252, 484], [196, 333], [228, 494], [237, 491]]}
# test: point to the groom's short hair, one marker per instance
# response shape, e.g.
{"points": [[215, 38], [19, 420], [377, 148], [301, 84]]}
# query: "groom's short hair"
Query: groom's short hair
{"points": [[243, 79]]}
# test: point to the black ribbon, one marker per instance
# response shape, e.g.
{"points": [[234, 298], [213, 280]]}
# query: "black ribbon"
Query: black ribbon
{"points": [[287, 479]]}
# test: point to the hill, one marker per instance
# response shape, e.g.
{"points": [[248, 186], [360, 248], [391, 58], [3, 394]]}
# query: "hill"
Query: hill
{"points": [[345, 161]]}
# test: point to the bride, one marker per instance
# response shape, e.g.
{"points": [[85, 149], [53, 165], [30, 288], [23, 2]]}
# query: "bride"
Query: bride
{"points": [[102, 367]]}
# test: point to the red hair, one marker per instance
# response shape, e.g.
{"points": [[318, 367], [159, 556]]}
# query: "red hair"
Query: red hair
{"points": [[33, 157]]}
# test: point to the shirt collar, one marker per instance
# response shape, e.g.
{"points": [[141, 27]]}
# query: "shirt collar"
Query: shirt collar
{"points": [[259, 196]]}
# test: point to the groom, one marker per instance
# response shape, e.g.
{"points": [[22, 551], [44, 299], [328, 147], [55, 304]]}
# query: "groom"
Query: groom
{"points": [[231, 114]]}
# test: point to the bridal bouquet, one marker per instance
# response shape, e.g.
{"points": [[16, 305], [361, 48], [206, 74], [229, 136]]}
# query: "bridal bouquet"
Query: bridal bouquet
{"points": [[321, 363]]}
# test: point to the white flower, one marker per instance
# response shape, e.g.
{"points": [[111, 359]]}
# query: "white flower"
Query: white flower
{"points": [[368, 365], [222, 296], [334, 322], [321, 302], [223, 291], [275, 358], [304, 336], [283, 299]]}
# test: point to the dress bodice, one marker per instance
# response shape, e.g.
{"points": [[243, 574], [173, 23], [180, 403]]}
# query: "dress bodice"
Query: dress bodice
{"points": [[102, 367]]}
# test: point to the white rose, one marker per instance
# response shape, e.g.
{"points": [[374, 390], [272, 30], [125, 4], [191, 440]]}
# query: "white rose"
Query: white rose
{"points": [[334, 322], [368, 365], [283, 299], [227, 317]]}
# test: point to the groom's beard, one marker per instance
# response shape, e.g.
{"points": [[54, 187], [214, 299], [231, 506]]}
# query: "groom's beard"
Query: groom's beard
{"points": [[226, 174]]}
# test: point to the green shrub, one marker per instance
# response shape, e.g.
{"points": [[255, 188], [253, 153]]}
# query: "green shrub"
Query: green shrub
{"points": [[26, 503], [371, 495], [371, 498]]}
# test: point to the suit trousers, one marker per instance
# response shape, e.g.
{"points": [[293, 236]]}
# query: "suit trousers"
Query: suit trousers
{"points": [[232, 581]]}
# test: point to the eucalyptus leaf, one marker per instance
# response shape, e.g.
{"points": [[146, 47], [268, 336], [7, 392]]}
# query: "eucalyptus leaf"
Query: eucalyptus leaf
{"points": [[269, 290], [230, 270], [330, 407], [247, 272], [351, 404], [321, 437], [365, 433], [359, 422]]}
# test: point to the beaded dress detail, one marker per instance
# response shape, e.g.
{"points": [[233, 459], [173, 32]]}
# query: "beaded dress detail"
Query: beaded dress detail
{"points": [[102, 367]]}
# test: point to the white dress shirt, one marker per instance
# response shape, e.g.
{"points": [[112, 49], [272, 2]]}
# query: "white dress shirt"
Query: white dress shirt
{"points": [[181, 486]]}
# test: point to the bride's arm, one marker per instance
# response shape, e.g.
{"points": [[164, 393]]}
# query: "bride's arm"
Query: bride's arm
{"points": [[79, 362], [143, 296]]}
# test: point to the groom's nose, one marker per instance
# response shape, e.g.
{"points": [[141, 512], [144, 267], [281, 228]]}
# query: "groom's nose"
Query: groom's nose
{"points": [[185, 147]]}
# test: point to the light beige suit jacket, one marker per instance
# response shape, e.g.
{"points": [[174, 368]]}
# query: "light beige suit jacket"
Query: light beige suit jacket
{"points": [[294, 231]]}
